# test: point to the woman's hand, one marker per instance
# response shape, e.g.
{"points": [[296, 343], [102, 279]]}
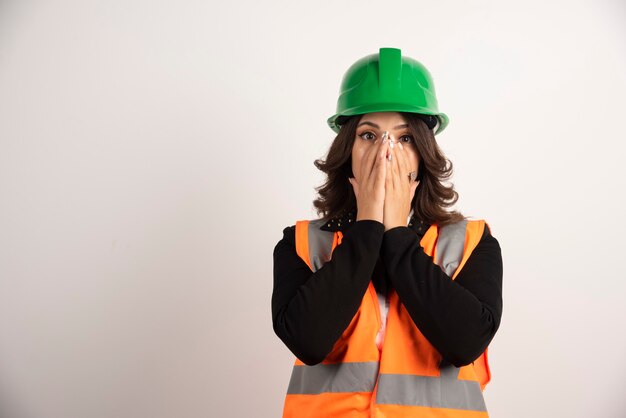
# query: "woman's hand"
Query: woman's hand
{"points": [[370, 188], [399, 189]]}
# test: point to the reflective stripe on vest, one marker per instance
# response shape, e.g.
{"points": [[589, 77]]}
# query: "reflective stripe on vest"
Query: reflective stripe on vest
{"points": [[444, 391], [397, 385], [338, 377]]}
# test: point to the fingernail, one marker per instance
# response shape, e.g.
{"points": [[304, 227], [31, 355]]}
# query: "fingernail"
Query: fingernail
{"points": [[400, 145], [385, 135]]}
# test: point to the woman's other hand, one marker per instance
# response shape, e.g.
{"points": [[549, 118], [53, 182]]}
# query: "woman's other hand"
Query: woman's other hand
{"points": [[399, 189], [369, 190]]}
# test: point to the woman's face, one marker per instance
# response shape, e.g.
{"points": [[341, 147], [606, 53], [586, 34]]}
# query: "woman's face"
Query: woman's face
{"points": [[371, 127]]}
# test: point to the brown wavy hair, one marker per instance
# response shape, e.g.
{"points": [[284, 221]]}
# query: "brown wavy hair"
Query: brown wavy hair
{"points": [[432, 197]]}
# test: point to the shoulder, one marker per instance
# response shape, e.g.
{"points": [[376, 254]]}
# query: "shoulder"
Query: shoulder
{"points": [[289, 232], [476, 226], [476, 223], [289, 235], [487, 233], [286, 246], [487, 240]]}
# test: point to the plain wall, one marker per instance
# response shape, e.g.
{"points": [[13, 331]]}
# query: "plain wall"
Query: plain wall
{"points": [[151, 153]]}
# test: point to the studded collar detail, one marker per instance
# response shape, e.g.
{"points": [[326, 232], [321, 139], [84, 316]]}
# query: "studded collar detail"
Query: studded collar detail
{"points": [[343, 222]]}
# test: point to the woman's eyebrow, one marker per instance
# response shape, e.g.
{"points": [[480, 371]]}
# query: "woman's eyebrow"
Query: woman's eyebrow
{"points": [[404, 125]]}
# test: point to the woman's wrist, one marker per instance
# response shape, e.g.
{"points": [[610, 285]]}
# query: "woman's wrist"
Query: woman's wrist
{"points": [[374, 215], [390, 227]]}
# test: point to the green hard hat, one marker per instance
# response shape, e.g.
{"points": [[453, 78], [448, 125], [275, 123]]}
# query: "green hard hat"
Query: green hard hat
{"points": [[387, 81]]}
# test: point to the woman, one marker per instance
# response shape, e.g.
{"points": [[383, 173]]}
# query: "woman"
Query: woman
{"points": [[388, 301]]}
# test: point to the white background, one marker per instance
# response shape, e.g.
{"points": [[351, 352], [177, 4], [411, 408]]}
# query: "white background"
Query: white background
{"points": [[151, 153]]}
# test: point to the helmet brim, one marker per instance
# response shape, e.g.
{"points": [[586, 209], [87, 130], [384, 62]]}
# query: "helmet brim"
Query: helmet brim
{"points": [[333, 121]]}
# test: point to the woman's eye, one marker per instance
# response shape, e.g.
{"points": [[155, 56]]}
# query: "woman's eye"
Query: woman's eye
{"points": [[409, 138], [367, 136]]}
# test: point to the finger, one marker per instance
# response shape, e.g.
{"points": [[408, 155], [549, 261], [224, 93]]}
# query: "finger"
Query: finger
{"points": [[370, 158], [403, 164], [366, 166], [380, 170], [389, 162], [395, 169], [376, 165], [388, 169], [388, 154]]}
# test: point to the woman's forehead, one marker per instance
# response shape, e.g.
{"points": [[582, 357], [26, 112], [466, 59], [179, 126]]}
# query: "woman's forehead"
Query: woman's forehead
{"points": [[383, 117]]}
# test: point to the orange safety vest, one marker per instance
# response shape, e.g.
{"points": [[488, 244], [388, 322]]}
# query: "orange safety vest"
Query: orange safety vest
{"points": [[407, 377]]}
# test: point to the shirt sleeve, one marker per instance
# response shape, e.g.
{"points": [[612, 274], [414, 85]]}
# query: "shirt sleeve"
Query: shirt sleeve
{"points": [[310, 310], [458, 317]]}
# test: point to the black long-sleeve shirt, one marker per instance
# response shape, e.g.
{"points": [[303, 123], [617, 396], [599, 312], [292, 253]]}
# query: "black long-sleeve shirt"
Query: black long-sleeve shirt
{"points": [[459, 317]]}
